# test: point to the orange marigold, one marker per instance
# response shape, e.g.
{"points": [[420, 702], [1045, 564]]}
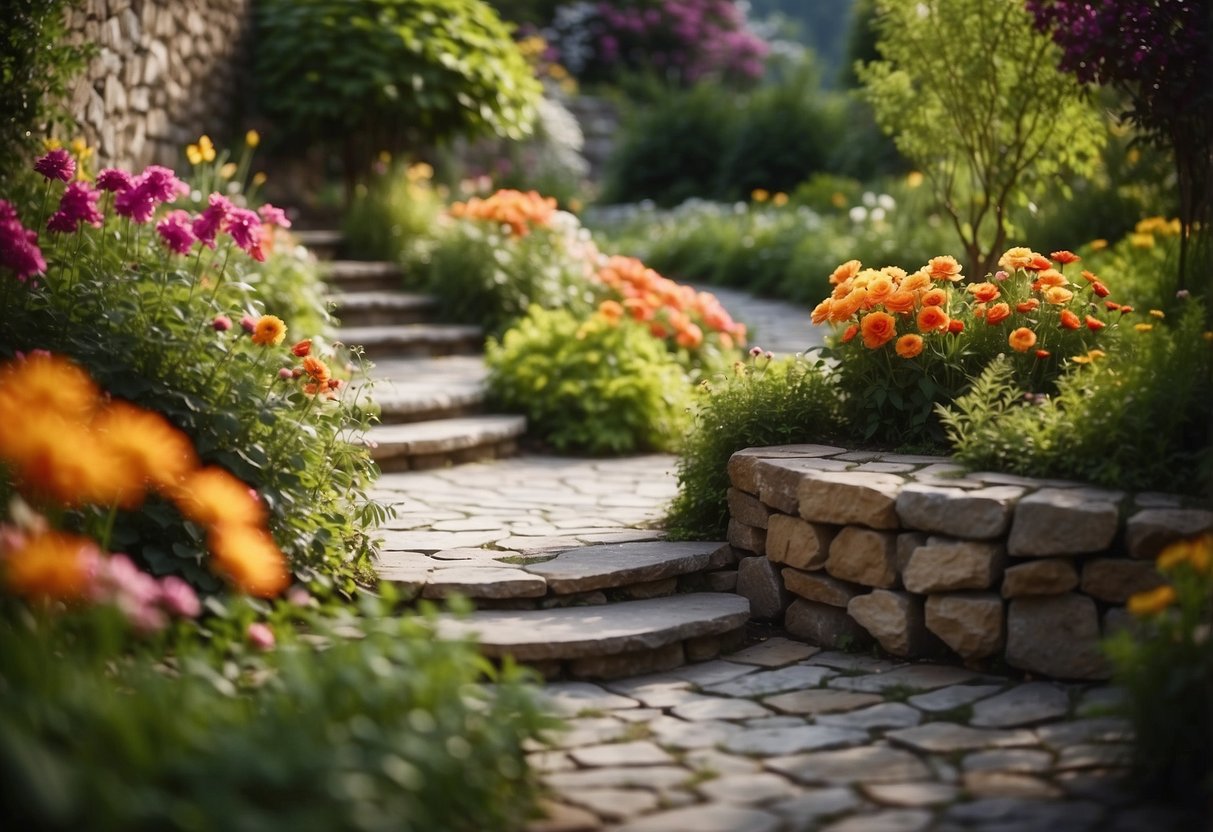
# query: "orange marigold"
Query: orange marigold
{"points": [[1058, 295], [1022, 339], [848, 306], [997, 313], [249, 558], [877, 328], [821, 312], [919, 280], [956, 325], [901, 302], [302, 348], [612, 310], [211, 496], [933, 319], [269, 331], [944, 267], [1039, 263], [984, 292], [1088, 276], [877, 291], [148, 445], [51, 565], [909, 346], [1065, 257], [1016, 258], [1043, 353], [1029, 305], [1049, 277], [689, 336], [934, 297], [1100, 290], [316, 369], [845, 272]]}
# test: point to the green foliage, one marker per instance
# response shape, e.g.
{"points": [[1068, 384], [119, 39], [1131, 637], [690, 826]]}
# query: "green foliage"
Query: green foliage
{"points": [[1138, 418], [36, 65], [368, 75], [764, 402], [589, 385], [353, 722], [393, 216], [971, 93]]}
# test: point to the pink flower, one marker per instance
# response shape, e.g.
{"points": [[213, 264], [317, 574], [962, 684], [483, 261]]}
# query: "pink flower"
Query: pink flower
{"points": [[18, 245], [286, 374], [248, 323], [207, 225], [78, 204], [135, 203], [179, 598], [112, 179], [176, 232], [7, 211], [245, 228], [273, 216], [150, 188], [260, 636], [221, 323], [58, 164], [299, 597]]}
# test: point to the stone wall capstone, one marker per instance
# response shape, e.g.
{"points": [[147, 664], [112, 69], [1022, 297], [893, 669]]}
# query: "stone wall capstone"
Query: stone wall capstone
{"points": [[165, 72], [928, 559]]}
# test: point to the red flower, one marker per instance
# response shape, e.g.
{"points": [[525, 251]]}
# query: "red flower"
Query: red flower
{"points": [[1065, 257], [955, 325], [302, 348], [1039, 263], [1100, 289], [1111, 305], [1043, 353], [997, 313], [847, 336], [1094, 324], [1069, 320]]}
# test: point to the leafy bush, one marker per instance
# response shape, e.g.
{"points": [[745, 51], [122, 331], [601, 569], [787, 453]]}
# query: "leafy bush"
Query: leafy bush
{"points": [[372, 732], [369, 75], [598, 385], [393, 217], [764, 402]]}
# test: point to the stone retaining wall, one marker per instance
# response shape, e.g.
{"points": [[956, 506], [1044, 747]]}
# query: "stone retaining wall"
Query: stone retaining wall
{"points": [[165, 72], [927, 560]]}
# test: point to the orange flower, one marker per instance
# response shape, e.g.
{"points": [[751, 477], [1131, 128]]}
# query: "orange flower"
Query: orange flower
{"points": [[1151, 602], [1111, 305], [894, 273], [689, 337], [1049, 277], [249, 558], [316, 369], [612, 310], [934, 297], [877, 291], [909, 346], [1058, 295], [944, 267], [1197, 553], [1043, 353], [269, 331], [901, 302], [150, 448], [47, 383], [1100, 290], [51, 565], [1125, 309], [1022, 339], [878, 328], [849, 334], [845, 272], [997, 313], [848, 306], [1069, 320], [62, 461], [1029, 305], [1094, 324], [956, 325], [519, 211], [302, 348], [1016, 258], [1065, 257], [919, 280], [821, 312], [211, 496], [1039, 263], [984, 292], [932, 319], [638, 309], [1090, 277]]}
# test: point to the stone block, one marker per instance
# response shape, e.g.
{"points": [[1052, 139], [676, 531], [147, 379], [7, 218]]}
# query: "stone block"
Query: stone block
{"points": [[1148, 532], [820, 587], [864, 556], [792, 541], [759, 581], [622, 665], [749, 538], [825, 626], [895, 619], [779, 479], [723, 581], [850, 497], [743, 465], [1047, 576], [980, 514], [747, 509], [1064, 521], [1056, 636], [942, 565], [907, 543], [1115, 579], [971, 623]]}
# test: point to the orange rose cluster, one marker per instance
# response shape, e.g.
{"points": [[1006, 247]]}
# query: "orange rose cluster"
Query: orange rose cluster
{"points": [[69, 445], [522, 212]]}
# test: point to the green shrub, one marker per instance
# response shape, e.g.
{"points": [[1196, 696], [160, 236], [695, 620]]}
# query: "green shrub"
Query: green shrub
{"points": [[764, 402], [393, 216], [592, 385], [368, 75], [375, 730]]}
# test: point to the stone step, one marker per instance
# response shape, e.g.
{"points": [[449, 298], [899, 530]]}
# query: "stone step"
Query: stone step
{"points": [[435, 444], [647, 569], [414, 340], [325, 243], [382, 308], [608, 641], [363, 275], [424, 389]]}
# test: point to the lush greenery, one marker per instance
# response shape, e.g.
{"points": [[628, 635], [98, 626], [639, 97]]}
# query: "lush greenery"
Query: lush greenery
{"points": [[362, 76], [759, 403]]}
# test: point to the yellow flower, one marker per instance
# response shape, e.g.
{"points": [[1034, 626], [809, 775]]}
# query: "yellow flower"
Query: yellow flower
{"points": [[913, 179], [252, 138], [1197, 552], [1081, 359], [1142, 240], [760, 194], [259, 178], [419, 171], [206, 148], [269, 331], [52, 143], [147, 444], [193, 154], [1098, 245], [228, 170], [838, 199], [1207, 335], [1143, 327], [81, 149], [1152, 602], [1157, 313], [780, 199]]}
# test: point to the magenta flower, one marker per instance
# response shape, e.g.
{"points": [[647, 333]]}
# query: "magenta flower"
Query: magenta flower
{"points": [[78, 204], [179, 598], [207, 225], [221, 323], [135, 203], [150, 188], [58, 164], [18, 245], [248, 323], [260, 636], [176, 232], [112, 179], [7, 211], [245, 228], [273, 216]]}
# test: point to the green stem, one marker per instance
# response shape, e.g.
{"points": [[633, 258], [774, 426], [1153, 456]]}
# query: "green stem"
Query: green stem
{"points": [[108, 530]]}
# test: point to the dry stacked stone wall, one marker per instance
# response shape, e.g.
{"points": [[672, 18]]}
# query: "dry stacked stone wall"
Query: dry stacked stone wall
{"points": [[927, 560], [165, 72]]}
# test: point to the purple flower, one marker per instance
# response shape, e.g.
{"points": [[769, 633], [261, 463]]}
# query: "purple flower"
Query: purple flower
{"points": [[78, 204], [273, 216], [176, 232], [112, 179], [58, 164], [245, 228], [207, 225], [18, 245], [179, 598]]}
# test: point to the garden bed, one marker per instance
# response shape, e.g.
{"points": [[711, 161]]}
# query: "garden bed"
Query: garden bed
{"points": [[926, 559]]}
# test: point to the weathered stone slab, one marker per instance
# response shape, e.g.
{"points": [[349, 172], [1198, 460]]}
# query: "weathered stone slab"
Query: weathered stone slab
{"points": [[820, 587], [774, 652], [865, 764], [1056, 636], [821, 701], [779, 479], [895, 619], [639, 753], [672, 732], [574, 632], [979, 514], [1115, 579], [985, 784], [971, 623], [713, 817], [1103, 729], [817, 803], [428, 542], [743, 464], [748, 538], [765, 682], [943, 565], [907, 544], [824, 626], [619, 665], [571, 698], [1064, 521], [748, 789], [701, 708], [1047, 576], [888, 820], [747, 509], [602, 567], [948, 737], [1022, 705], [759, 581], [1019, 760], [483, 582], [644, 777], [955, 696], [864, 556], [915, 677], [850, 497], [613, 804], [774, 742], [883, 716], [794, 542], [911, 794], [1150, 531]]}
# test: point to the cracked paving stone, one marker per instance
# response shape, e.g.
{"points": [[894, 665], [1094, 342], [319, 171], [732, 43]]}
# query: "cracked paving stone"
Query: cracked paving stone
{"points": [[853, 662], [947, 737], [748, 788], [778, 742], [654, 778], [717, 707], [571, 698], [1028, 814], [1008, 784], [1016, 760], [683, 735], [639, 753], [818, 803], [613, 804], [775, 652], [820, 701], [796, 677], [589, 731], [890, 820], [1097, 729], [1093, 755], [710, 673], [953, 696], [911, 795], [1022, 705], [710, 818], [887, 715], [865, 764], [914, 677], [559, 817]]}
